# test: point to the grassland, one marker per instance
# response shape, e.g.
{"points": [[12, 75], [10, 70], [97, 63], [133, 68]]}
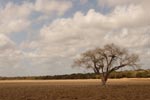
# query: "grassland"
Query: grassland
{"points": [[117, 89]]}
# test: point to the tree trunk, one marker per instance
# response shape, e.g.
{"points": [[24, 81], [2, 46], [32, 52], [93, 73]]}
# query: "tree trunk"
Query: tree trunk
{"points": [[104, 80]]}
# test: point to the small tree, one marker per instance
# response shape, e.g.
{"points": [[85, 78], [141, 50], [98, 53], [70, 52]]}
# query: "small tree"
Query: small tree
{"points": [[105, 60]]}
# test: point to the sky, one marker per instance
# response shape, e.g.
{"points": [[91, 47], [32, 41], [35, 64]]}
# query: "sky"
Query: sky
{"points": [[43, 37]]}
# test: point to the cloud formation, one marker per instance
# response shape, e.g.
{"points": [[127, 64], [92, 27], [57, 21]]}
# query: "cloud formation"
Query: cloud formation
{"points": [[16, 17], [51, 6], [51, 50], [112, 3], [67, 37]]}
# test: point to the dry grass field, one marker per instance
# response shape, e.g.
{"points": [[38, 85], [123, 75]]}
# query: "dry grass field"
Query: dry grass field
{"points": [[117, 89]]}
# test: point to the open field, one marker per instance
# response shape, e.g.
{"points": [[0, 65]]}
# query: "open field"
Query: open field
{"points": [[117, 89]]}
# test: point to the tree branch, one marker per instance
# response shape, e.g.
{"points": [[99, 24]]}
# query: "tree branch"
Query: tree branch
{"points": [[117, 67], [110, 62]]}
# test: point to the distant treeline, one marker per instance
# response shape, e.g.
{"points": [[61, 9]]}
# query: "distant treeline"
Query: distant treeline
{"points": [[118, 74]]}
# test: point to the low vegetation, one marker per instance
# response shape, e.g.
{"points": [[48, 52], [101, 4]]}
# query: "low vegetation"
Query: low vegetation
{"points": [[116, 74]]}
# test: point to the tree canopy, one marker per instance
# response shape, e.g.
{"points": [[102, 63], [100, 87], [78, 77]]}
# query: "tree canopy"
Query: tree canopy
{"points": [[107, 59]]}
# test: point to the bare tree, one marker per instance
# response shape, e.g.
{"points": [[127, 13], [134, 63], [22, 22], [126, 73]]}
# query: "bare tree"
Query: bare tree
{"points": [[105, 60]]}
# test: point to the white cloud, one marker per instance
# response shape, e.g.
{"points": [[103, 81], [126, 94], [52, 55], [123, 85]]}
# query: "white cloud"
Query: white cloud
{"points": [[52, 6], [5, 42], [67, 37], [10, 55], [14, 18], [113, 3], [59, 42]]}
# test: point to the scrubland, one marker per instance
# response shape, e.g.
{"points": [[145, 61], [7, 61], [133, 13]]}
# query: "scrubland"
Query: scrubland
{"points": [[91, 89]]}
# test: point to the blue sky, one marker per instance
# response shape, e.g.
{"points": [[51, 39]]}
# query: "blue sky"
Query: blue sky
{"points": [[43, 37]]}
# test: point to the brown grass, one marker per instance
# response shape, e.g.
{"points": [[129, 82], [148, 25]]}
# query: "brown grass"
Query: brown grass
{"points": [[117, 89]]}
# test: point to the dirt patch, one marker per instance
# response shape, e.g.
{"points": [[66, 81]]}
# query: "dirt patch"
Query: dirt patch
{"points": [[123, 89]]}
